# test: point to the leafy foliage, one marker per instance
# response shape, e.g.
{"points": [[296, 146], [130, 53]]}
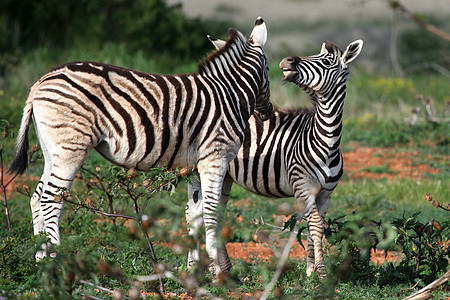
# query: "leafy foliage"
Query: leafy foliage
{"points": [[351, 239], [98, 251], [148, 25], [425, 248], [17, 266]]}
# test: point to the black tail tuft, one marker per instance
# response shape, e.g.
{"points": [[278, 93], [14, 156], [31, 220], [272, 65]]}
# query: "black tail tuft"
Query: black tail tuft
{"points": [[20, 163]]}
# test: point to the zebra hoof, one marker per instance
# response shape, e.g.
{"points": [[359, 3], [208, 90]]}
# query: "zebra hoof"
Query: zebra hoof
{"points": [[322, 272], [40, 255]]}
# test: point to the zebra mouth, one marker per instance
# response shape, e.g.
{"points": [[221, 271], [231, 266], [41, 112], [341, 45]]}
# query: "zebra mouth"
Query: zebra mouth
{"points": [[289, 66], [290, 75]]}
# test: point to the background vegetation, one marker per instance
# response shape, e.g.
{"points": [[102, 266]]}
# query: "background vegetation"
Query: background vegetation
{"points": [[107, 252]]}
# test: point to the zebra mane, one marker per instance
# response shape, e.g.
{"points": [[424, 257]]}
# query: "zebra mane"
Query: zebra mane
{"points": [[234, 38], [333, 48], [294, 111]]}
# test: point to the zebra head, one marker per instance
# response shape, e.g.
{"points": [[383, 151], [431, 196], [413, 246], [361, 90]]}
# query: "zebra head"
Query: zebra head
{"points": [[262, 107], [318, 74]]}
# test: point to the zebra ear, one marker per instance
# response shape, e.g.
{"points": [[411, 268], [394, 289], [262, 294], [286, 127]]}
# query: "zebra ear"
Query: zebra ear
{"points": [[259, 33], [352, 52], [323, 50], [218, 43]]}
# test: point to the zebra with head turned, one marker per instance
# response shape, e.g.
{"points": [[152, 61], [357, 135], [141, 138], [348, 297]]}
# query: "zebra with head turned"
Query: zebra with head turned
{"points": [[296, 153], [140, 120]]}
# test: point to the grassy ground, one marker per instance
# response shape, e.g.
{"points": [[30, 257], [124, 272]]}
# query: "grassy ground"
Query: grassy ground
{"points": [[377, 114]]}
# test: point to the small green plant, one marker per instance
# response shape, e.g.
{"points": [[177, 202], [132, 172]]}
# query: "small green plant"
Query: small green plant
{"points": [[384, 169], [17, 266], [425, 247]]}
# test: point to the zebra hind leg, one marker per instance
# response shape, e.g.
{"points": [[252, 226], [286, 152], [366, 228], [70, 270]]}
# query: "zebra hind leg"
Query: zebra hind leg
{"points": [[35, 201], [36, 213], [306, 205], [315, 238], [58, 179]]}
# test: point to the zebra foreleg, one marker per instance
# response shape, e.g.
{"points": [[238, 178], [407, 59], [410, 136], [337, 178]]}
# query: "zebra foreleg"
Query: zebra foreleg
{"points": [[213, 211], [310, 258], [224, 259], [194, 219]]}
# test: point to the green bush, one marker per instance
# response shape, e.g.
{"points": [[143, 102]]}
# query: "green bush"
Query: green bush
{"points": [[17, 268], [148, 25]]}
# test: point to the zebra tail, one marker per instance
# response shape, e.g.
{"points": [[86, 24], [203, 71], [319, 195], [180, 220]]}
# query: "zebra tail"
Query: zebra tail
{"points": [[20, 162]]}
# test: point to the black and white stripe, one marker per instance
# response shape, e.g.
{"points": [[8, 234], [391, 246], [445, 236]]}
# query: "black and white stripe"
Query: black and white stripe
{"points": [[296, 153], [140, 120]]}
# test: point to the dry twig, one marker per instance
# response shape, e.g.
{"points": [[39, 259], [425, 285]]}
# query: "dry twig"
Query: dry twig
{"points": [[425, 293]]}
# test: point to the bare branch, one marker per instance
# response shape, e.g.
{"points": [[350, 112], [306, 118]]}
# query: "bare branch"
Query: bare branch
{"points": [[96, 210], [393, 47], [281, 263], [188, 285], [103, 289], [425, 293], [396, 5]]}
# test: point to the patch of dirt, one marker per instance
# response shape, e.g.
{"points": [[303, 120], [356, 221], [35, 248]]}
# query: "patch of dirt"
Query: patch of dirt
{"points": [[262, 251], [376, 163], [18, 182]]}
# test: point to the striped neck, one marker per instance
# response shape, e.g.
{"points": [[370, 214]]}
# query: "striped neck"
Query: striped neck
{"points": [[327, 122], [237, 65], [227, 57]]}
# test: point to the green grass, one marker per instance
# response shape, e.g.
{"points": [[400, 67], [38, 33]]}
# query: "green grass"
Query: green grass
{"points": [[85, 242], [386, 199]]}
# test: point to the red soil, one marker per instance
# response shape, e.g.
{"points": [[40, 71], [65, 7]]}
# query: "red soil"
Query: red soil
{"points": [[252, 251], [397, 164]]}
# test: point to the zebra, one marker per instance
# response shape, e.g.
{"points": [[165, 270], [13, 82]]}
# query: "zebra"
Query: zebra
{"points": [[296, 153], [140, 120]]}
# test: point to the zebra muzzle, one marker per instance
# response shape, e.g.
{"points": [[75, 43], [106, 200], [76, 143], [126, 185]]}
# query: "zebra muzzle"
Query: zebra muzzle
{"points": [[289, 67]]}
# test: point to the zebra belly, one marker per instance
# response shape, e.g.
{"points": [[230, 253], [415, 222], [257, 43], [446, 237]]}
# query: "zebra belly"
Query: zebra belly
{"points": [[141, 159], [269, 184]]}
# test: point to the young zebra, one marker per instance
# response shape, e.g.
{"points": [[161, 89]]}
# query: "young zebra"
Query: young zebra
{"points": [[139, 120], [296, 153]]}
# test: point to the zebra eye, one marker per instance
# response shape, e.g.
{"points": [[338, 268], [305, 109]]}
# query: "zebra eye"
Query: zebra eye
{"points": [[326, 62]]}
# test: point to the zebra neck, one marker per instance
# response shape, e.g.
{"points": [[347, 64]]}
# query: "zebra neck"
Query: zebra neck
{"points": [[239, 73], [327, 124]]}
